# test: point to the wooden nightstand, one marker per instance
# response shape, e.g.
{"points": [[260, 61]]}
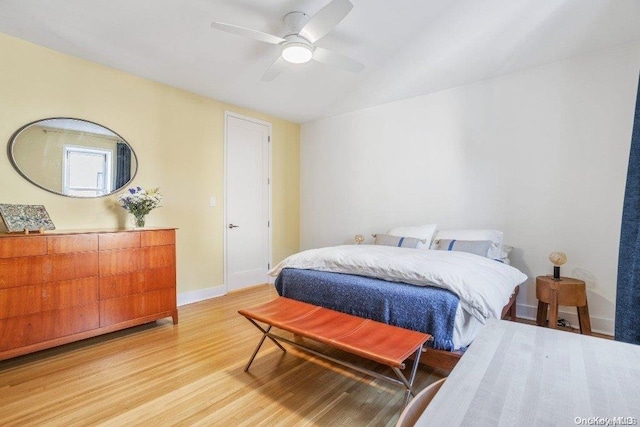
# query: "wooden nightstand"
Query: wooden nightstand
{"points": [[566, 291]]}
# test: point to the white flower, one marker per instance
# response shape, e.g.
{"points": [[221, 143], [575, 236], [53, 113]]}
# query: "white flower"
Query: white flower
{"points": [[140, 202]]}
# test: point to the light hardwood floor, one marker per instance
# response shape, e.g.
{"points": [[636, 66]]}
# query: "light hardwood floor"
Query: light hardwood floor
{"points": [[192, 374]]}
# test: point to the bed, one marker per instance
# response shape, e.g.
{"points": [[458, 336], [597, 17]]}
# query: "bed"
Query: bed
{"points": [[448, 294]]}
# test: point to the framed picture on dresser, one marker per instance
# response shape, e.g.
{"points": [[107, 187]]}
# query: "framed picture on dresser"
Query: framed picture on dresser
{"points": [[21, 218]]}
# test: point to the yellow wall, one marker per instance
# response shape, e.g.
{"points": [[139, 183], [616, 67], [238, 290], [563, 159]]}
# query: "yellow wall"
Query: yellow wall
{"points": [[178, 137]]}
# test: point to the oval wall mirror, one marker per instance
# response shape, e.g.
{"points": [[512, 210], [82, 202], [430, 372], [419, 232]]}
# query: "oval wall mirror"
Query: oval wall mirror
{"points": [[72, 157]]}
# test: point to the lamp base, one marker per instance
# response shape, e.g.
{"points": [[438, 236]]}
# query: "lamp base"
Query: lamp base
{"points": [[556, 272]]}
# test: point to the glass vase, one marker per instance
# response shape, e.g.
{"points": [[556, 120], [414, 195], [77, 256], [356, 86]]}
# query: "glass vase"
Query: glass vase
{"points": [[138, 221]]}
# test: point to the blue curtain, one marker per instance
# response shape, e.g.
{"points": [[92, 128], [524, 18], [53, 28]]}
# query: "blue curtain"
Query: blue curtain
{"points": [[628, 295]]}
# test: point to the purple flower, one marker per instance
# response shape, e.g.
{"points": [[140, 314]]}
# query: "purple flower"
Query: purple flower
{"points": [[132, 190]]}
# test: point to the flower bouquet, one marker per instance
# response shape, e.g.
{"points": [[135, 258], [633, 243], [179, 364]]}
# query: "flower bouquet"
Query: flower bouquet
{"points": [[140, 202]]}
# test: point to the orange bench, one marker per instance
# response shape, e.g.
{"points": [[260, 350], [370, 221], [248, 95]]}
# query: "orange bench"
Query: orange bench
{"points": [[382, 343]]}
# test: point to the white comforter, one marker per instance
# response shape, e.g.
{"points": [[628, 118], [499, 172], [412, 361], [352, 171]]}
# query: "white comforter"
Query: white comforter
{"points": [[483, 285]]}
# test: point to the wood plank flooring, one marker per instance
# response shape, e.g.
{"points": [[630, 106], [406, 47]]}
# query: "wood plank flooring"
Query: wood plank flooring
{"points": [[192, 374]]}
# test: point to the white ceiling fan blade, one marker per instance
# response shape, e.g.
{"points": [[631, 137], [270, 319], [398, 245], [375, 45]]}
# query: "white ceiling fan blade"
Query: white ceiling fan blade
{"points": [[326, 18], [274, 70], [246, 32], [337, 60]]}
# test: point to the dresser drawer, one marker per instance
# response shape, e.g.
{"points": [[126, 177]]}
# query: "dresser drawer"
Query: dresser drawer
{"points": [[72, 266], [69, 293], [20, 301], [160, 278], [23, 300], [118, 310], [20, 331], [119, 285], [70, 320], [12, 247], [23, 271], [137, 282], [72, 243], [159, 256], [158, 237], [120, 261], [159, 301], [109, 241]]}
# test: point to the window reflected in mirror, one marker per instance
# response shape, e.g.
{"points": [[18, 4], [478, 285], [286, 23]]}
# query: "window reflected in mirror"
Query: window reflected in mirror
{"points": [[73, 157]]}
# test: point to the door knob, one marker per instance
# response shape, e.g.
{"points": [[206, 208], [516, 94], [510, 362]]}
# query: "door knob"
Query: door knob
{"points": [[233, 226]]}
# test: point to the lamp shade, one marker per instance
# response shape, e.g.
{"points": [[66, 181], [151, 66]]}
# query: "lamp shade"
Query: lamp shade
{"points": [[557, 258]]}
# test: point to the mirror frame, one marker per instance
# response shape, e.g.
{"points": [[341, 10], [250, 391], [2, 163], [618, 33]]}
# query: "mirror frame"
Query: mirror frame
{"points": [[17, 133]]}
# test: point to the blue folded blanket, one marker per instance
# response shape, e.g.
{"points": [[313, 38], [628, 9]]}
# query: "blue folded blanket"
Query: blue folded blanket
{"points": [[421, 308]]}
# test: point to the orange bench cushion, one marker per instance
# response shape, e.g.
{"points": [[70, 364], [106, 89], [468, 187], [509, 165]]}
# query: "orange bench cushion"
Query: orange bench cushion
{"points": [[386, 344]]}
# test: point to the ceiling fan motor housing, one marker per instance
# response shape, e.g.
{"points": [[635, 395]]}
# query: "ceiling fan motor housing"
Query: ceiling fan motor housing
{"points": [[295, 21]]}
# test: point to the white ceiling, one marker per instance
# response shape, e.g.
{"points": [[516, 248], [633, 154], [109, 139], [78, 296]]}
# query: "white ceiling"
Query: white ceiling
{"points": [[409, 47]]}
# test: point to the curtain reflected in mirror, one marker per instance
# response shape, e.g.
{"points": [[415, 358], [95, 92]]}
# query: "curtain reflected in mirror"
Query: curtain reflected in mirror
{"points": [[123, 165], [73, 157]]}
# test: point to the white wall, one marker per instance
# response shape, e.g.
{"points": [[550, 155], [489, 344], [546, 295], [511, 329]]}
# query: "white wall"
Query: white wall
{"points": [[540, 154]]}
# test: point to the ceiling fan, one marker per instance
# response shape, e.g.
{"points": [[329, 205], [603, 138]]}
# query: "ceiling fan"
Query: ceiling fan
{"points": [[298, 45]]}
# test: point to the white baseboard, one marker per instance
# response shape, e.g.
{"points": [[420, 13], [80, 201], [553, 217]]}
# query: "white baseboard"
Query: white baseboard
{"points": [[600, 325], [200, 295]]}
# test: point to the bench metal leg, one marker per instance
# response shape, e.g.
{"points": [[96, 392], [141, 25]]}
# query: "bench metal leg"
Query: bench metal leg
{"points": [[265, 334], [409, 383]]}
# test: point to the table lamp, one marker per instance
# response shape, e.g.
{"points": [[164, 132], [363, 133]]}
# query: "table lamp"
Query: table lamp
{"points": [[359, 238], [557, 259]]}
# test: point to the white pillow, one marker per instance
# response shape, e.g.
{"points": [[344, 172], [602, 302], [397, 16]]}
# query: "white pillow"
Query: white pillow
{"points": [[422, 232], [504, 255], [495, 251]]}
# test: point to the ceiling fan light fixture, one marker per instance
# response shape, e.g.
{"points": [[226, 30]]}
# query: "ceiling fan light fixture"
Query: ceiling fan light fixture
{"points": [[297, 53]]}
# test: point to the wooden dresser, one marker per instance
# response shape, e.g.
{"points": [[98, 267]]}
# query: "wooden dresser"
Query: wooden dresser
{"points": [[60, 287]]}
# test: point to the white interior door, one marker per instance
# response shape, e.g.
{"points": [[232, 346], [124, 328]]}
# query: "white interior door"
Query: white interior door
{"points": [[247, 201]]}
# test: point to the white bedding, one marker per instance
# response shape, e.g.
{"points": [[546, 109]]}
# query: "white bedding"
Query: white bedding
{"points": [[465, 329], [483, 285]]}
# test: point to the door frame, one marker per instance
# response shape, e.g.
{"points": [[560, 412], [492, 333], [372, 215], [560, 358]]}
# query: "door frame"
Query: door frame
{"points": [[228, 114]]}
